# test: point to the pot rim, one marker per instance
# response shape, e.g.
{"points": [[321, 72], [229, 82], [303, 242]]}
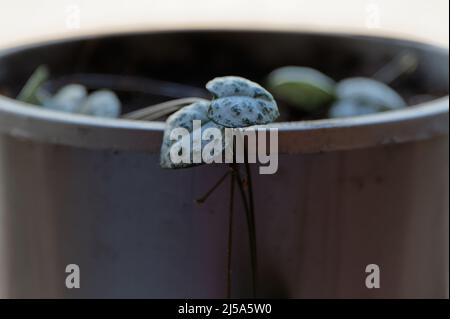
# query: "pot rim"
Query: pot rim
{"points": [[417, 122]]}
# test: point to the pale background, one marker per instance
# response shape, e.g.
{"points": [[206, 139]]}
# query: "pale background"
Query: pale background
{"points": [[31, 20], [25, 20]]}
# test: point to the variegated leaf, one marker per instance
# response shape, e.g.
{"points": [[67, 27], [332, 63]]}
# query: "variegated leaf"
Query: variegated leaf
{"points": [[102, 103], [238, 102], [68, 99], [358, 96], [184, 119]]}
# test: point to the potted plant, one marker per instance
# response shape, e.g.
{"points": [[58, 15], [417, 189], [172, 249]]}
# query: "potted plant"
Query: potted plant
{"points": [[348, 191]]}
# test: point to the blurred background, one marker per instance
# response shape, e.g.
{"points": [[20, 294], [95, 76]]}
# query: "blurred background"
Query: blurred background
{"points": [[26, 20]]}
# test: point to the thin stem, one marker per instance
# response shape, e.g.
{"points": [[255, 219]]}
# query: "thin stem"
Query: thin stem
{"points": [[403, 63], [156, 111], [252, 223], [128, 83], [251, 233], [230, 235], [202, 199]]}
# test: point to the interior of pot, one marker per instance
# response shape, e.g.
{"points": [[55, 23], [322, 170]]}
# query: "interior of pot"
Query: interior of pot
{"points": [[148, 68]]}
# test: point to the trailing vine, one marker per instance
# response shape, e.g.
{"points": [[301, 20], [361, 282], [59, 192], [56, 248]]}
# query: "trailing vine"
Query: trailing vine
{"points": [[236, 103]]}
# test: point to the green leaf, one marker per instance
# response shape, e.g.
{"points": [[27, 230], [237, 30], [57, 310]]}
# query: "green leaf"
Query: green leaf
{"points": [[239, 102], [29, 93], [304, 88]]}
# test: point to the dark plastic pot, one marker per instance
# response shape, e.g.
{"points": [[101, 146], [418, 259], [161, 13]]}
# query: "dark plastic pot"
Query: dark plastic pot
{"points": [[348, 192]]}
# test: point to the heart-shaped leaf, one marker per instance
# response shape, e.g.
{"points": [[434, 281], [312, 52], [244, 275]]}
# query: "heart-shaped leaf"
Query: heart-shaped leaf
{"points": [[102, 103], [346, 108], [304, 88], [358, 96], [68, 99], [184, 119], [239, 102]]}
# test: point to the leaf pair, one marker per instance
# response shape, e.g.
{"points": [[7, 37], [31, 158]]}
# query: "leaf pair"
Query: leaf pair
{"points": [[310, 90], [237, 102], [73, 98]]}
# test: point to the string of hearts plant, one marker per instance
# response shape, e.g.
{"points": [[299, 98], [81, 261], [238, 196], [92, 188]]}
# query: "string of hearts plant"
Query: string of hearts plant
{"points": [[237, 103]]}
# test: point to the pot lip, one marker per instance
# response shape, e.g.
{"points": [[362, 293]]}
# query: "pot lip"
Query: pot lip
{"points": [[416, 122]]}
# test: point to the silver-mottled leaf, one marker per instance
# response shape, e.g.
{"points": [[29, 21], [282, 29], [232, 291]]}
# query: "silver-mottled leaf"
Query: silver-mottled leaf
{"points": [[360, 96], [102, 103], [239, 102], [347, 108], [68, 99], [184, 119], [304, 88], [369, 91]]}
